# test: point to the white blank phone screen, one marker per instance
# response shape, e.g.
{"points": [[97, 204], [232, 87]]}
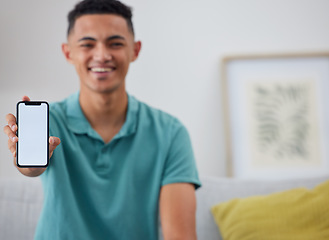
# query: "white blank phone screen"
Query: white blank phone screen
{"points": [[32, 135]]}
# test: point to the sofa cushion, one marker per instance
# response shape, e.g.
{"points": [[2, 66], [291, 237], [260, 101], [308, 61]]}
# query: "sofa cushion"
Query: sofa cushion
{"points": [[294, 214], [215, 190]]}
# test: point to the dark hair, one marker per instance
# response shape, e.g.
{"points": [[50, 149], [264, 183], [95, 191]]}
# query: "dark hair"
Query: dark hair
{"points": [[99, 7]]}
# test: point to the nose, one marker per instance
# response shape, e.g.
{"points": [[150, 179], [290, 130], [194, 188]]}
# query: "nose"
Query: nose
{"points": [[102, 53]]}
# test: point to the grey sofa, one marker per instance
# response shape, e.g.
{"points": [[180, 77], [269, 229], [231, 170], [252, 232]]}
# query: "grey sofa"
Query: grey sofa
{"points": [[21, 202]]}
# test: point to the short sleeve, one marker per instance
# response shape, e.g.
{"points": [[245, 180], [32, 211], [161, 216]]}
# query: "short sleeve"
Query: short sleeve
{"points": [[180, 166]]}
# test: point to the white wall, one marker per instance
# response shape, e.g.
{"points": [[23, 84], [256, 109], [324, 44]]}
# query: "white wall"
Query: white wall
{"points": [[179, 67]]}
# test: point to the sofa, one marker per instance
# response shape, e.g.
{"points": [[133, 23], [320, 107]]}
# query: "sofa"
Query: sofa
{"points": [[21, 202]]}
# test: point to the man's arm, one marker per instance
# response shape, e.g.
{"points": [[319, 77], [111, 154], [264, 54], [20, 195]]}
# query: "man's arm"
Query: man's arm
{"points": [[177, 211]]}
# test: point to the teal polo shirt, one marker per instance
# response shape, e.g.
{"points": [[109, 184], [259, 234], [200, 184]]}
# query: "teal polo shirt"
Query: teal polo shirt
{"points": [[94, 190]]}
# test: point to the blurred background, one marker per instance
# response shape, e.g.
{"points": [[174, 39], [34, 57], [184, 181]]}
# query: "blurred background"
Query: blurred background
{"points": [[178, 71]]}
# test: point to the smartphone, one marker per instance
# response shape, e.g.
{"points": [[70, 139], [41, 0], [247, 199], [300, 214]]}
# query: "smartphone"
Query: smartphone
{"points": [[33, 134]]}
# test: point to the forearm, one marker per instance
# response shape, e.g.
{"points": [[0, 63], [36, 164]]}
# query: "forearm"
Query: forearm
{"points": [[180, 236], [181, 231]]}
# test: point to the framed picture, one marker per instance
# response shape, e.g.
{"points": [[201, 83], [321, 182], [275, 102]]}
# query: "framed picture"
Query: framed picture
{"points": [[277, 115]]}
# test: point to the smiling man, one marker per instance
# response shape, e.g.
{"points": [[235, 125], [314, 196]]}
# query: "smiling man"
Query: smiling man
{"points": [[121, 164]]}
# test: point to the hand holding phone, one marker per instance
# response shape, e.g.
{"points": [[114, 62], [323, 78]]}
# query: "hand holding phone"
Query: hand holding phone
{"points": [[10, 130], [33, 134]]}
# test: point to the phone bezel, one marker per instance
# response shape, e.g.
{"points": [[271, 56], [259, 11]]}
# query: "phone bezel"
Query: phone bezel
{"points": [[17, 122]]}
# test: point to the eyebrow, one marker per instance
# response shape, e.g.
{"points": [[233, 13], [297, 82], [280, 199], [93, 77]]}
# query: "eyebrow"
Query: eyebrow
{"points": [[108, 39]]}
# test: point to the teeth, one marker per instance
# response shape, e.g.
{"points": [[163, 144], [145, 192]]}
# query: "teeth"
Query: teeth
{"points": [[101, 69]]}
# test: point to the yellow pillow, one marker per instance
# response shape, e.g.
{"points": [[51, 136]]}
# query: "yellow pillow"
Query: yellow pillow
{"points": [[296, 214]]}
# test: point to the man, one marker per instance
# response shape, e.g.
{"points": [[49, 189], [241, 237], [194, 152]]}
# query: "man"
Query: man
{"points": [[121, 164]]}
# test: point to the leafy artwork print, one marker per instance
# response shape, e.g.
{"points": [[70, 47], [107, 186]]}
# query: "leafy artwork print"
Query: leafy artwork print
{"points": [[283, 122]]}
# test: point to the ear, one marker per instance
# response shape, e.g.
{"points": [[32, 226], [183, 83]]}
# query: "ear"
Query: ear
{"points": [[67, 52], [137, 49]]}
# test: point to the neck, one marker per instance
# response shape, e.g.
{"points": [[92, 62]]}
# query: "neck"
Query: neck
{"points": [[106, 112]]}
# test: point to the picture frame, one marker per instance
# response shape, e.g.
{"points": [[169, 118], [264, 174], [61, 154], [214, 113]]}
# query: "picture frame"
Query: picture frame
{"points": [[276, 118]]}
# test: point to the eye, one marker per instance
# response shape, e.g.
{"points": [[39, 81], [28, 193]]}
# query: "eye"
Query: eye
{"points": [[116, 45], [86, 45]]}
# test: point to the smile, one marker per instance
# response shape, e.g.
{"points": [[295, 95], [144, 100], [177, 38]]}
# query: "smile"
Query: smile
{"points": [[101, 70]]}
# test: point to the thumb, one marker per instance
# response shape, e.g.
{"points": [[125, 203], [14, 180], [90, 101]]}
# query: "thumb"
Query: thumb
{"points": [[26, 98], [53, 143]]}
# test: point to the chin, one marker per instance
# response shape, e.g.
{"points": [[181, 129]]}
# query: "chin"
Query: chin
{"points": [[108, 90], [104, 85]]}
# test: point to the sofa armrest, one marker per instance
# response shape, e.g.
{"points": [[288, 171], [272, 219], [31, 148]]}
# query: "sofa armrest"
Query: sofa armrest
{"points": [[20, 206]]}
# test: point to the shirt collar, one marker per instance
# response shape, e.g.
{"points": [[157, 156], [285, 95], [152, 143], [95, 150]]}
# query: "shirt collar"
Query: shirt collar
{"points": [[78, 123]]}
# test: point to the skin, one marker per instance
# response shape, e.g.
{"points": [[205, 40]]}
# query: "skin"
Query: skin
{"points": [[101, 48], [177, 211], [102, 41]]}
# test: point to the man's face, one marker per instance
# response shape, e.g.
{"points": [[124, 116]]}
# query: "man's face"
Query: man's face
{"points": [[101, 47]]}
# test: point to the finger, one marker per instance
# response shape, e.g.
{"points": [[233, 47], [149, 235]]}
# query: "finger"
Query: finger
{"points": [[15, 163], [26, 98], [11, 120], [12, 147], [11, 135], [53, 143]]}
